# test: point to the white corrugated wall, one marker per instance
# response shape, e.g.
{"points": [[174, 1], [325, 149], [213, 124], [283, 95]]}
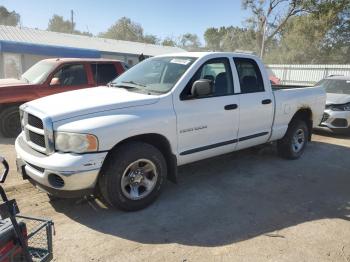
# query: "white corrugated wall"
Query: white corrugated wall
{"points": [[307, 74]]}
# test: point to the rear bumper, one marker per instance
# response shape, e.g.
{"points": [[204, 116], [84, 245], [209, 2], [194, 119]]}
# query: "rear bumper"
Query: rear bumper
{"points": [[60, 174]]}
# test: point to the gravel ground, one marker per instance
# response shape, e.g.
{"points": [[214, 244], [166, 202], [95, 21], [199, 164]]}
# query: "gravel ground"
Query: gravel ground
{"points": [[244, 206]]}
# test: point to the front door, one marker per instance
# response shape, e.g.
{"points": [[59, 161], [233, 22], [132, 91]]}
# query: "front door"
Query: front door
{"points": [[208, 125], [68, 77]]}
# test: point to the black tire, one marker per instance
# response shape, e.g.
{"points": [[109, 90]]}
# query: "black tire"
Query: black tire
{"points": [[10, 125], [285, 146], [110, 180]]}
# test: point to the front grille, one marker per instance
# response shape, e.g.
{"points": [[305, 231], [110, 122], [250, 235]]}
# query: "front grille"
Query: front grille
{"points": [[36, 138], [37, 130], [325, 117], [35, 121]]}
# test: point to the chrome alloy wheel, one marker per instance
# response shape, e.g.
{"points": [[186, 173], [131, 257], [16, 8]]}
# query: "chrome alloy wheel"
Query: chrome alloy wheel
{"points": [[298, 140], [139, 179]]}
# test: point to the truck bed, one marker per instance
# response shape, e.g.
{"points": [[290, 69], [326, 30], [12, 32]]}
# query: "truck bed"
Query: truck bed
{"points": [[279, 87]]}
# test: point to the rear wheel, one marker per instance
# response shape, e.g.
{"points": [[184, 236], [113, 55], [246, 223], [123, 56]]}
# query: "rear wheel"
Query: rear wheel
{"points": [[293, 144], [10, 125], [133, 176]]}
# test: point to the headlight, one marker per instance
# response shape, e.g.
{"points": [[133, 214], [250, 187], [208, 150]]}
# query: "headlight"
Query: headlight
{"points": [[343, 107], [77, 143]]}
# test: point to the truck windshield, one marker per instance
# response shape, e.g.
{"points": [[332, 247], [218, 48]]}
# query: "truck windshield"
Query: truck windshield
{"points": [[336, 86], [155, 75], [38, 73]]}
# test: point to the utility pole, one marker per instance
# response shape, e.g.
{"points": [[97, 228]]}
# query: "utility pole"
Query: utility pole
{"points": [[72, 20]]}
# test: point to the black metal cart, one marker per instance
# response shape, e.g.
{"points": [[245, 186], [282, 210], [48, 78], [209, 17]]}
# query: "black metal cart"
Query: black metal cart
{"points": [[22, 238]]}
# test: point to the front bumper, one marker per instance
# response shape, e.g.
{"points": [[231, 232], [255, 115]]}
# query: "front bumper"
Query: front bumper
{"points": [[61, 174], [336, 120]]}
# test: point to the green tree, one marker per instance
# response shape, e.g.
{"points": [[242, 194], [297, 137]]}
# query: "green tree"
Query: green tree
{"points": [[125, 29], [169, 41], [8, 18], [230, 39], [319, 37], [151, 39], [189, 41], [213, 38], [58, 24]]}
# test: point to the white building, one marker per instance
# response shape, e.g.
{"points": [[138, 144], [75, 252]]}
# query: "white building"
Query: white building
{"points": [[20, 48]]}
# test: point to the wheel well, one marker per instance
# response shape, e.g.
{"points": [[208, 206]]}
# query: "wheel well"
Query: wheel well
{"points": [[4, 106], [305, 114], [162, 144]]}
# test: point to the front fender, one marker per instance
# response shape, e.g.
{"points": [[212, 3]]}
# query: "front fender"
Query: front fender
{"points": [[116, 126]]}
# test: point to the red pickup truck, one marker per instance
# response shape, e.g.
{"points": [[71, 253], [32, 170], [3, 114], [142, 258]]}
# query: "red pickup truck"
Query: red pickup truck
{"points": [[51, 76]]}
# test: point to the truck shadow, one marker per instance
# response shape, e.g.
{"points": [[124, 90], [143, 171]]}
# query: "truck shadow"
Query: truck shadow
{"points": [[233, 198], [326, 133]]}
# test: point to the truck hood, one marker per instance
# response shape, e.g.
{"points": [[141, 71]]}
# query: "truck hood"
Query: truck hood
{"points": [[87, 101], [337, 99], [11, 82]]}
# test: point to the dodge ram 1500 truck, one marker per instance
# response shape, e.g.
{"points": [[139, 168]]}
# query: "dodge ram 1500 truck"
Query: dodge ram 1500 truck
{"points": [[51, 76], [120, 142]]}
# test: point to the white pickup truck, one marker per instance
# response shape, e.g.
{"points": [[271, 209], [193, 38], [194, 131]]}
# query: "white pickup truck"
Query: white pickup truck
{"points": [[122, 141]]}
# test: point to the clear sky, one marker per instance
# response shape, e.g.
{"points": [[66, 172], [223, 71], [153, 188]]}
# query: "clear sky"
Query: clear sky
{"points": [[159, 17]]}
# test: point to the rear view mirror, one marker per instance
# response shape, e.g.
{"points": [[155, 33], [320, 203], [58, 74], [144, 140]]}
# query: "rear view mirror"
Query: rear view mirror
{"points": [[4, 169], [202, 87], [55, 81]]}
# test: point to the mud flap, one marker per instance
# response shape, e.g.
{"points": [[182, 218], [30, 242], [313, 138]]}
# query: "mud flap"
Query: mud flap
{"points": [[172, 168]]}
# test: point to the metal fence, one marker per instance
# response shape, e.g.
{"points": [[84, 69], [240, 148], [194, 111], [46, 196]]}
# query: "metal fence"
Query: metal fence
{"points": [[307, 74]]}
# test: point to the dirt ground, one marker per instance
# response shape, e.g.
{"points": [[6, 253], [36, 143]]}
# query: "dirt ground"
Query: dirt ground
{"points": [[245, 206]]}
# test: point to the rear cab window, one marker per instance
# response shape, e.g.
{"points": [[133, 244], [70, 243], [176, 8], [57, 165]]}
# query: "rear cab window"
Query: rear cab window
{"points": [[249, 74], [103, 73]]}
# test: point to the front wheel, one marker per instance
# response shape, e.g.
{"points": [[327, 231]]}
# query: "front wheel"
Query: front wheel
{"points": [[10, 125], [132, 176], [293, 144]]}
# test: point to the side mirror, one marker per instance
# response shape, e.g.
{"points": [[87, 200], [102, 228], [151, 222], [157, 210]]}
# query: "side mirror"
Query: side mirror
{"points": [[202, 87], [55, 81]]}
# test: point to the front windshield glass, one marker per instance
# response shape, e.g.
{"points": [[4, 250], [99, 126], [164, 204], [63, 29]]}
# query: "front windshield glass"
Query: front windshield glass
{"points": [[336, 86], [38, 72], [155, 75]]}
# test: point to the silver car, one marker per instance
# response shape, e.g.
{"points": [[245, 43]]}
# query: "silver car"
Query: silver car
{"points": [[336, 116]]}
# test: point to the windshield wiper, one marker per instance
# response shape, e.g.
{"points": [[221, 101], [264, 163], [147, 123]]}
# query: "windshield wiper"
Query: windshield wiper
{"points": [[122, 86], [133, 83]]}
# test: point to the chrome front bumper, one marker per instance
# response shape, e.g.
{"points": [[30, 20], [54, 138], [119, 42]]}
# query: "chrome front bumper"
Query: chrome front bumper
{"points": [[75, 172]]}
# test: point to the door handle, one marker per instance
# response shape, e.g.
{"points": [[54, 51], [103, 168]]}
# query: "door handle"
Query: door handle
{"points": [[266, 101], [231, 107]]}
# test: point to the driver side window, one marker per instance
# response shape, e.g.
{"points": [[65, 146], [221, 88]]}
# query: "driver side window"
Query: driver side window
{"points": [[218, 71], [71, 75]]}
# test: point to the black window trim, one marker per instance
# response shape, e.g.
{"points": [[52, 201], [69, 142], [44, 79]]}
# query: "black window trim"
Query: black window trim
{"points": [[184, 97], [95, 77], [259, 71]]}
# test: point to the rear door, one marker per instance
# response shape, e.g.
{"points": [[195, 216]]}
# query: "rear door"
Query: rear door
{"points": [[103, 73], [256, 104], [208, 126]]}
